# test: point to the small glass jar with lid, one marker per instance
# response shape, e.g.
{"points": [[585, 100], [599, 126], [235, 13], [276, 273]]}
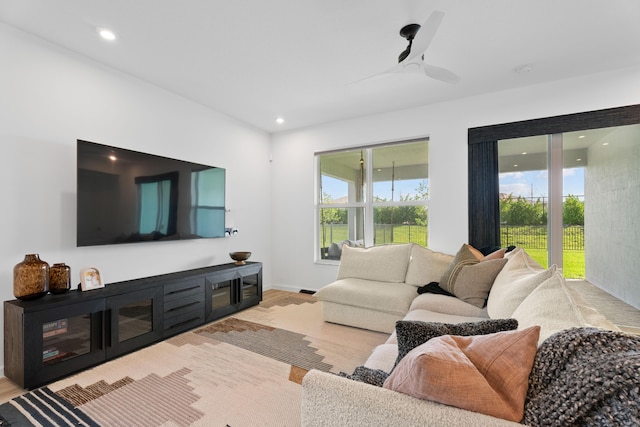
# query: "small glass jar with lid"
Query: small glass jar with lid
{"points": [[59, 278]]}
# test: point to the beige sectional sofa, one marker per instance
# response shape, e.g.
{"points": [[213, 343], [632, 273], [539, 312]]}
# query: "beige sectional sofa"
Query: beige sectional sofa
{"points": [[378, 286]]}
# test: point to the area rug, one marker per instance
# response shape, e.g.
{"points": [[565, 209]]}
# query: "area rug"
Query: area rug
{"points": [[244, 370]]}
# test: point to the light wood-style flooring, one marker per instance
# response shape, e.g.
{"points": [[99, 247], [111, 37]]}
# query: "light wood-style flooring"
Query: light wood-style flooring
{"points": [[623, 315]]}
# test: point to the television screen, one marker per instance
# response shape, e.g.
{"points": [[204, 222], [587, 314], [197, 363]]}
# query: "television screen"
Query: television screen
{"points": [[125, 196]]}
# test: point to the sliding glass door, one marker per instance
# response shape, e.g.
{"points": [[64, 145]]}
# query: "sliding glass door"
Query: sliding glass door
{"points": [[558, 190]]}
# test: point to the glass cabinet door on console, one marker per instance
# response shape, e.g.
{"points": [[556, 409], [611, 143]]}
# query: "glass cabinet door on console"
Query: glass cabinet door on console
{"points": [[133, 320], [58, 342], [220, 294], [250, 291], [232, 290]]}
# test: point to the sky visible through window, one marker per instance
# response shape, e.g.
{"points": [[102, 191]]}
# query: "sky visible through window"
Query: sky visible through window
{"points": [[335, 188], [525, 184], [535, 183]]}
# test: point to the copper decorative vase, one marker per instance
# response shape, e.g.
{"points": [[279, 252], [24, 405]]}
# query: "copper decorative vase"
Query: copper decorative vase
{"points": [[30, 278], [59, 278]]}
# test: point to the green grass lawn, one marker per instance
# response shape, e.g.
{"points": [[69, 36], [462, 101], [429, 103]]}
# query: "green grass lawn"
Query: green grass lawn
{"points": [[573, 267], [573, 262]]}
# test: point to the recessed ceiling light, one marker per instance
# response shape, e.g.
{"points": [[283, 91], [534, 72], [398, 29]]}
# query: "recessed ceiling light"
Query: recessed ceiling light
{"points": [[581, 136], [279, 120], [113, 158], [523, 69], [524, 152], [515, 166], [106, 33], [605, 143], [578, 160]]}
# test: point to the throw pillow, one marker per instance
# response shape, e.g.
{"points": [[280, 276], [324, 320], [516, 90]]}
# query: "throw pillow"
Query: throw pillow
{"points": [[473, 282], [505, 297], [485, 373], [519, 264], [551, 307], [467, 255], [411, 334], [426, 265], [497, 254], [366, 375]]}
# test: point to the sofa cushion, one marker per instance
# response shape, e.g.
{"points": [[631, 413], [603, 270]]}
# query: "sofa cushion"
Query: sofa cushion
{"points": [[426, 266], [473, 282], [485, 373], [394, 298], [386, 263], [553, 307], [383, 357], [467, 255], [505, 297], [411, 334], [447, 305]]}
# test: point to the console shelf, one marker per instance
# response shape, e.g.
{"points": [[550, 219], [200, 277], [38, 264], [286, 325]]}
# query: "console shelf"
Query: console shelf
{"points": [[57, 335]]}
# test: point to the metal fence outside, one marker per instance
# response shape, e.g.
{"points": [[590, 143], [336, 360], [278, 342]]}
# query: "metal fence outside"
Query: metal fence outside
{"points": [[526, 236], [535, 236]]}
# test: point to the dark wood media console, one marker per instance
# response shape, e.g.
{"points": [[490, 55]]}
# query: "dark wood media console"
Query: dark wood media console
{"points": [[57, 335]]}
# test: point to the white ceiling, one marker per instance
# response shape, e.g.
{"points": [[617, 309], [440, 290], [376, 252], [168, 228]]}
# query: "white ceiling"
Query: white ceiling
{"points": [[255, 60]]}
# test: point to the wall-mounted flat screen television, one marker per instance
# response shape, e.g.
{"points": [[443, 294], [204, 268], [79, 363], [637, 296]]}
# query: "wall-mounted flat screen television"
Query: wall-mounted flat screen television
{"points": [[125, 196]]}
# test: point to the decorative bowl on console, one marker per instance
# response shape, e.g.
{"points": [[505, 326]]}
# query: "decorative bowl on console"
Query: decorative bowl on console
{"points": [[240, 257]]}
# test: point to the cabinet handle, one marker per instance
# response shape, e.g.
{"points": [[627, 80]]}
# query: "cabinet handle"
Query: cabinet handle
{"points": [[177, 325], [183, 290], [182, 306], [107, 327]]}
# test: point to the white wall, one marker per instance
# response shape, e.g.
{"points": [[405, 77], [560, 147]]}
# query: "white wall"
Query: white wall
{"points": [[50, 97], [612, 228], [446, 124]]}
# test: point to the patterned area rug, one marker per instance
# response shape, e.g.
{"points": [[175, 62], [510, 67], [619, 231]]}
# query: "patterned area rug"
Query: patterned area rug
{"points": [[244, 370]]}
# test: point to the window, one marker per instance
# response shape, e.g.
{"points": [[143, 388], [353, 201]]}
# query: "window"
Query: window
{"points": [[371, 196]]}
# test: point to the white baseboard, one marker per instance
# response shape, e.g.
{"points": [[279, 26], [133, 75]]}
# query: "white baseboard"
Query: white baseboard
{"points": [[282, 288]]}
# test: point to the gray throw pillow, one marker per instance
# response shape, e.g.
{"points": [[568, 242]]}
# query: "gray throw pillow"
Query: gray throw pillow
{"points": [[366, 375], [412, 333]]}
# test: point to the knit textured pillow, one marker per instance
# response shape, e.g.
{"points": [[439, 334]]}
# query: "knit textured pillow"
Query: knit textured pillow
{"points": [[366, 375], [411, 334]]}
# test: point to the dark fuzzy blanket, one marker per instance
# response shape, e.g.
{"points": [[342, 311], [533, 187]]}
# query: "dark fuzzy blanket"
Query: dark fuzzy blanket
{"points": [[585, 377]]}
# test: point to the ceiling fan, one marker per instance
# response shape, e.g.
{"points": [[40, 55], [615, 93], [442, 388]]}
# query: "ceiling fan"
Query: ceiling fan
{"points": [[411, 60]]}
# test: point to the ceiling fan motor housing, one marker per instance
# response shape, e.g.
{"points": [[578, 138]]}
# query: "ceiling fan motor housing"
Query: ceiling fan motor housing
{"points": [[408, 32]]}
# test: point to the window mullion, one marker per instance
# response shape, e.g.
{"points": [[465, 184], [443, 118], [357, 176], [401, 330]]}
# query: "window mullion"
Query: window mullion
{"points": [[368, 211]]}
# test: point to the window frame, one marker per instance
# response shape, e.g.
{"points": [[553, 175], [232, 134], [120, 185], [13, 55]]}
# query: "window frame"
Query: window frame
{"points": [[368, 205]]}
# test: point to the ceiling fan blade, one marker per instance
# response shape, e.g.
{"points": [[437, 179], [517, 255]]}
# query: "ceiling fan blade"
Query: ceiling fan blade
{"points": [[398, 68], [441, 74], [425, 36]]}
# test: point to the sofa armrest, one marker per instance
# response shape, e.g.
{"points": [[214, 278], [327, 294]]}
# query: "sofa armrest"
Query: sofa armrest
{"points": [[330, 400]]}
